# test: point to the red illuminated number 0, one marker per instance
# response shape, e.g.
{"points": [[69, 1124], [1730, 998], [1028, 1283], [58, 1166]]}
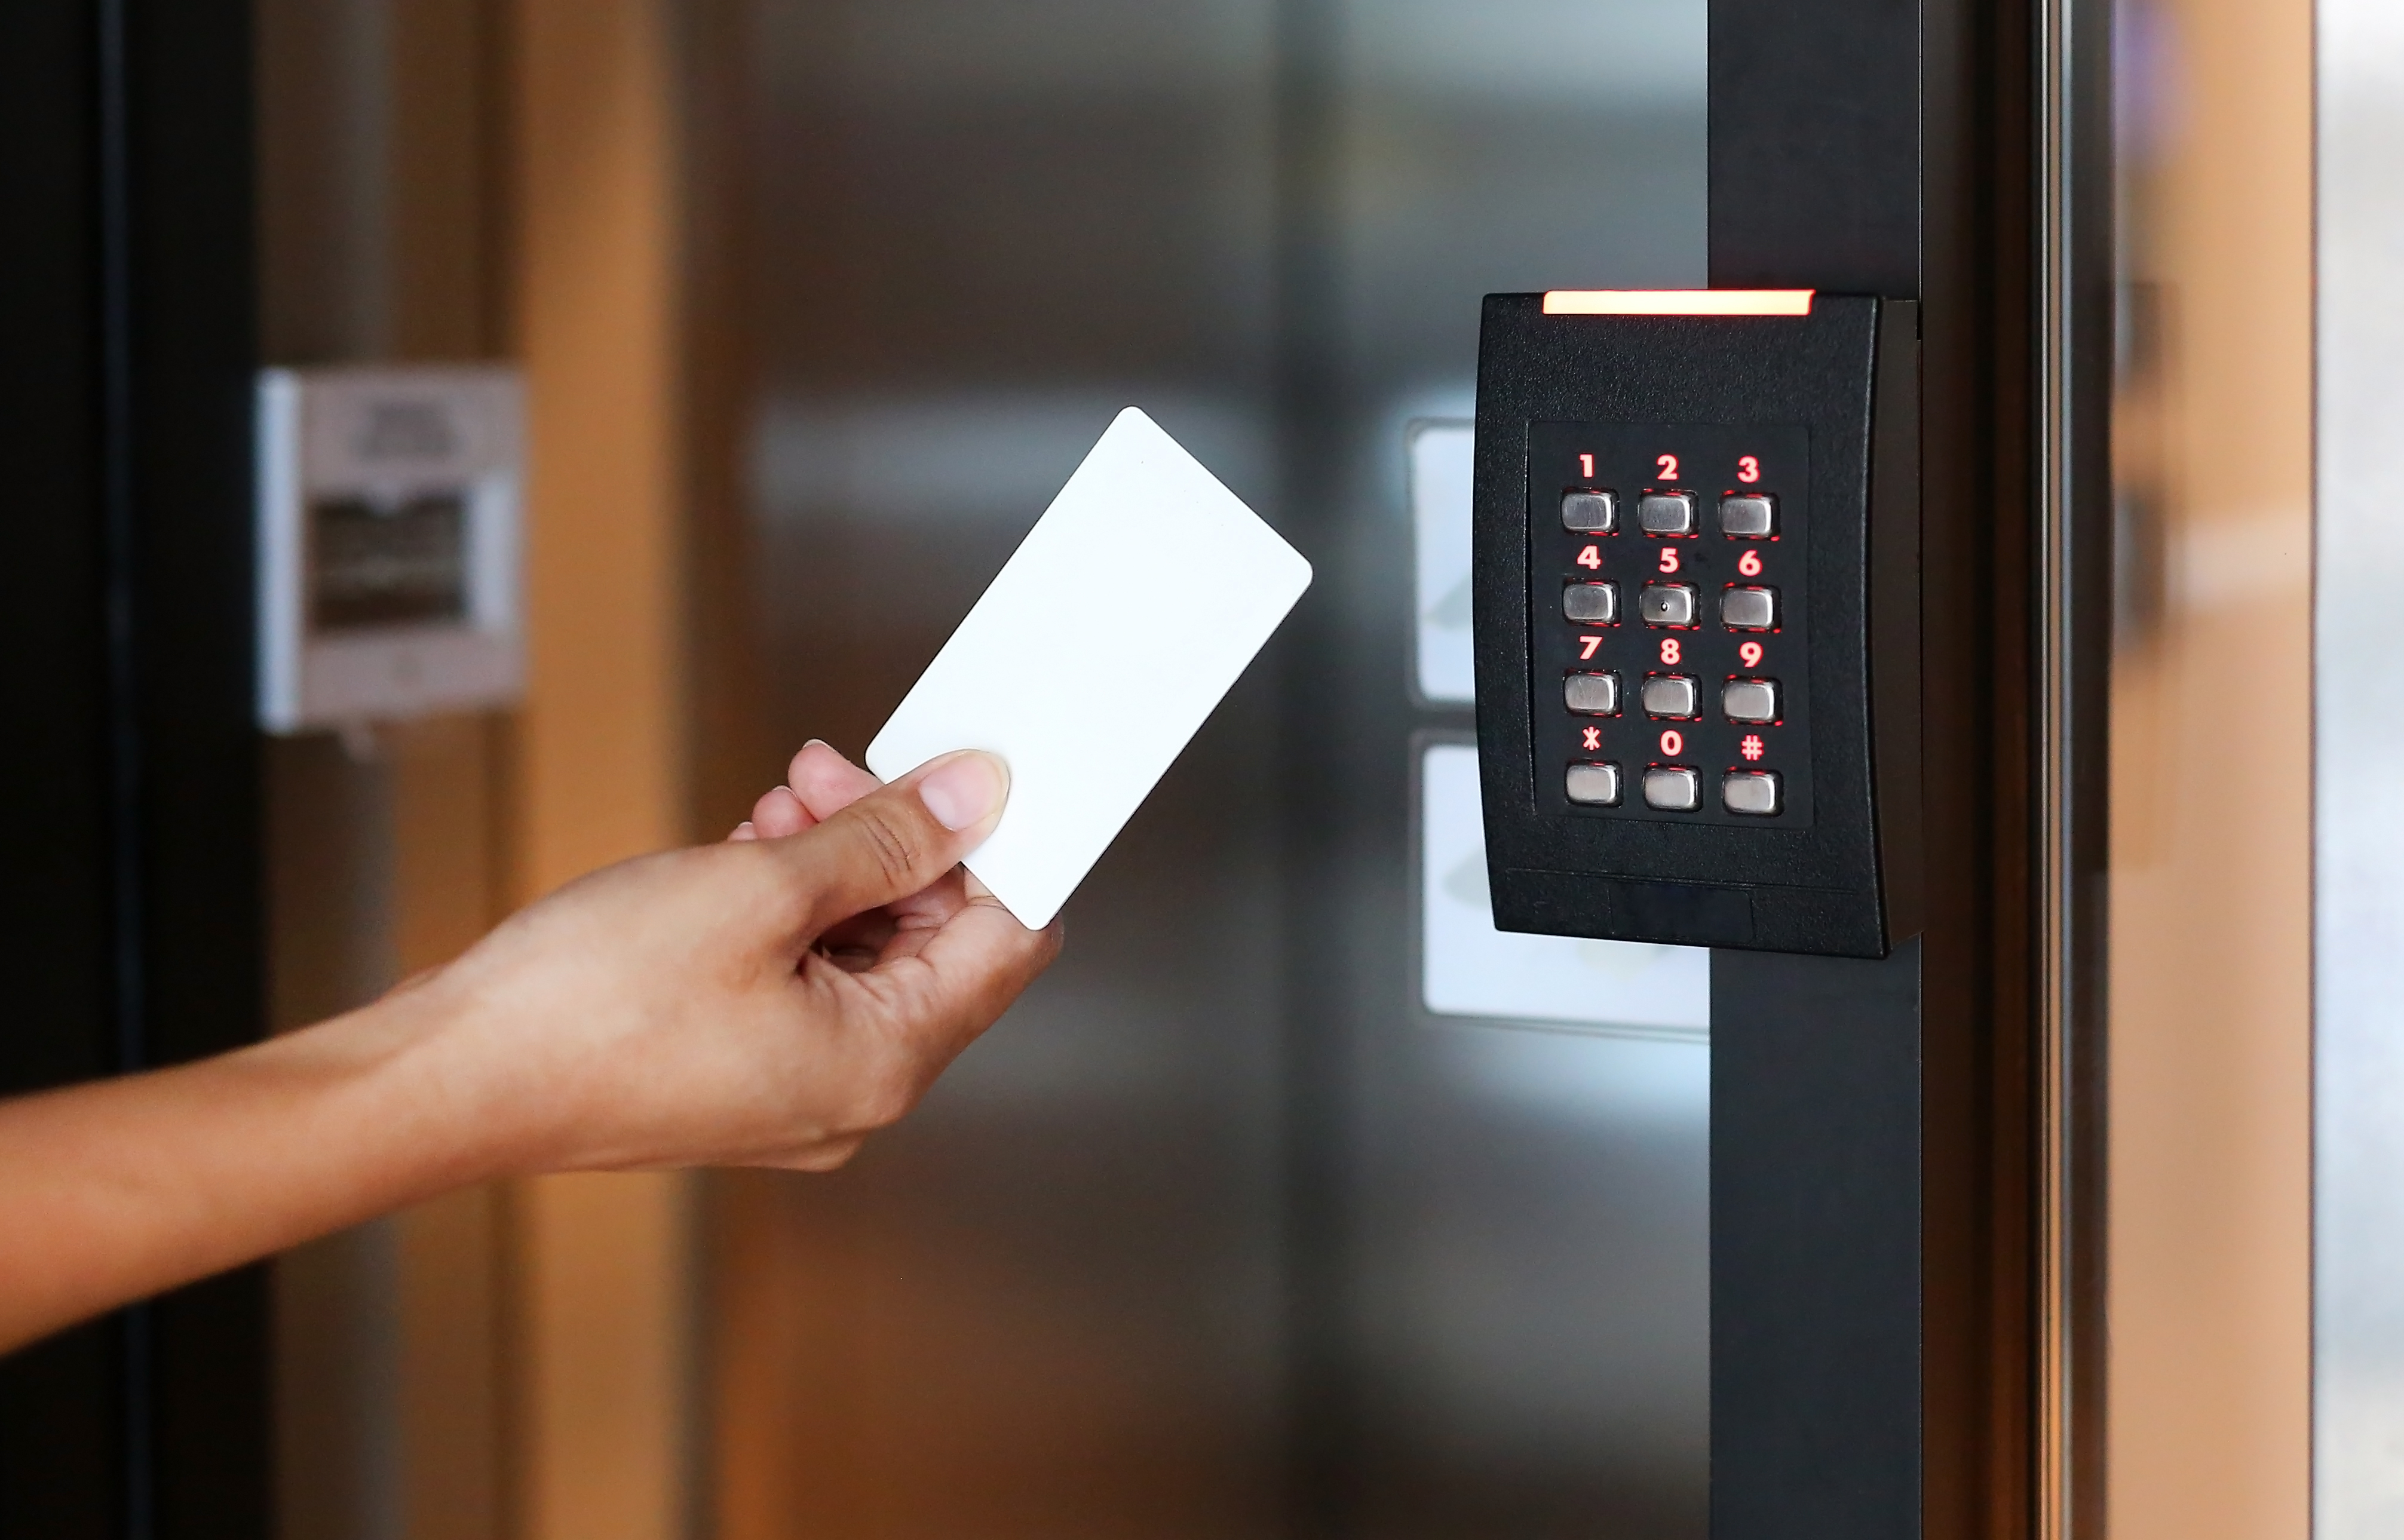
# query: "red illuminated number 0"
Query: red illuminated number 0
{"points": [[1587, 644], [1671, 652], [1673, 743], [1591, 558], [1586, 467], [1749, 564], [1668, 559], [1750, 655], [1667, 466], [1748, 469]]}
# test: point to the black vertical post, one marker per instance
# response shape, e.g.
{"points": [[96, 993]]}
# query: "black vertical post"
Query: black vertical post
{"points": [[1871, 1179], [129, 905]]}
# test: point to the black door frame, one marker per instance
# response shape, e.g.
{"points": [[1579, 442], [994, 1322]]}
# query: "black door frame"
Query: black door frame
{"points": [[129, 913]]}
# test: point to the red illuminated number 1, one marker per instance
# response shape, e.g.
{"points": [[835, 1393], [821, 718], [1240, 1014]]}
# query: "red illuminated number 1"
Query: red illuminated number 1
{"points": [[1586, 467], [1667, 466], [1588, 643], [1748, 467]]}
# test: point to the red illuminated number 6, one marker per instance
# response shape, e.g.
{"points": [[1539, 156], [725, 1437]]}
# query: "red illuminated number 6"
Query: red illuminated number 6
{"points": [[1748, 469], [1668, 559], [1673, 743], [1749, 564], [1750, 655], [1669, 653], [1667, 466]]}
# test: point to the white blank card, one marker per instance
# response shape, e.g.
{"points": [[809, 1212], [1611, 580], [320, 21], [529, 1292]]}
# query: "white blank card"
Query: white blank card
{"points": [[1121, 621]]}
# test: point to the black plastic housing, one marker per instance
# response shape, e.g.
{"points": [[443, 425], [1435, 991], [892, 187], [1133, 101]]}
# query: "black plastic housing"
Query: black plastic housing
{"points": [[1841, 877]]}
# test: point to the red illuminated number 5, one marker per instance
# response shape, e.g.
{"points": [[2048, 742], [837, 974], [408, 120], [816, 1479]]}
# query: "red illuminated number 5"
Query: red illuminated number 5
{"points": [[1667, 466], [1748, 467], [1668, 559]]}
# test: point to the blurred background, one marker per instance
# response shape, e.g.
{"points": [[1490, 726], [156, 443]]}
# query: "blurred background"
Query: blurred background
{"points": [[1225, 1231]]}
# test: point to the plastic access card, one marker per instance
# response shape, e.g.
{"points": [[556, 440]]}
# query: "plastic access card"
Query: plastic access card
{"points": [[1110, 634]]}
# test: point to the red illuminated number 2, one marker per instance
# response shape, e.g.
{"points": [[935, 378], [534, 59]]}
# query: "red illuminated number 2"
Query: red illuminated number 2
{"points": [[1587, 644], [1586, 467], [1667, 466], [1748, 467]]}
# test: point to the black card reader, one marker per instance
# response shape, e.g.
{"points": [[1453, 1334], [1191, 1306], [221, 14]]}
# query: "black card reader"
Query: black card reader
{"points": [[1697, 593]]}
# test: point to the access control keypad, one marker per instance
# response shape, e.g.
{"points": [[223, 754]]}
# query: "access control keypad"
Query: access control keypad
{"points": [[1670, 646]]}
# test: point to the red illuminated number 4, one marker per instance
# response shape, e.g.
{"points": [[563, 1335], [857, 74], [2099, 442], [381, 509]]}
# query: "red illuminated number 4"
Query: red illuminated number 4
{"points": [[1748, 469], [1587, 646], [1591, 558]]}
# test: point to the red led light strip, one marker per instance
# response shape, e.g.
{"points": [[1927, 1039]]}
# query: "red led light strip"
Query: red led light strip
{"points": [[1678, 302]]}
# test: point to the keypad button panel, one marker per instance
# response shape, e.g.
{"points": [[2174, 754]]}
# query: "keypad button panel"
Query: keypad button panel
{"points": [[1704, 636]]}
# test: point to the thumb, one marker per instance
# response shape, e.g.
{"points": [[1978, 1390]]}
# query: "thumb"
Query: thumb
{"points": [[898, 840]]}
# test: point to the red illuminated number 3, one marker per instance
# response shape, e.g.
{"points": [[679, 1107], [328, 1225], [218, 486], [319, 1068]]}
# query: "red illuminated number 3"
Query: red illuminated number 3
{"points": [[1669, 651], [1591, 558], [1749, 564], [1668, 559], [1586, 467], [1748, 469], [1667, 466]]}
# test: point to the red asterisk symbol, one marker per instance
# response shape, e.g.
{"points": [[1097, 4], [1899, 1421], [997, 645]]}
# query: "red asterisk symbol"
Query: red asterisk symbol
{"points": [[1593, 737], [1750, 747]]}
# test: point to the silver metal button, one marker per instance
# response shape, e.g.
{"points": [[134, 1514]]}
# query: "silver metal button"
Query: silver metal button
{"points": [[1666, 512], [1672, 696], [1748, 609], [1749, 515], [1594, 785], [1673, 789], [1595, 603], [1750, 700], [1590, 512], [1591, 694], [1753, 792], [1666, 603]]}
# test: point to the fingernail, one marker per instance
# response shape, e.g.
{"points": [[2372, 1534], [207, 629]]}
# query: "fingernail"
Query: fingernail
{"points": [[964, 791]]}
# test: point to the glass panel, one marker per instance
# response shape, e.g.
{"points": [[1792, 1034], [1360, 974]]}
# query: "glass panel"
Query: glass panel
{"points": [[1223, 1231]]}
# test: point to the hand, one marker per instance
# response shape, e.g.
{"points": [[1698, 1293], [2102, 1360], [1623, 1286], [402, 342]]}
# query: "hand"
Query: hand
{"points": [[769, 1001]]}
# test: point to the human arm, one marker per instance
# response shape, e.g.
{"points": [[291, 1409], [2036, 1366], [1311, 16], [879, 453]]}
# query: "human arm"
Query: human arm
{"points": [[769, 1001]]}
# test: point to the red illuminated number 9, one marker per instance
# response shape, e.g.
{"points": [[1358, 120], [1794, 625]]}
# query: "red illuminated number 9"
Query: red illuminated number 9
{"points": [[1751, 654], [1748, 469], [1667, 466], [1673, 743], [1669, 653], [1749, 564]]}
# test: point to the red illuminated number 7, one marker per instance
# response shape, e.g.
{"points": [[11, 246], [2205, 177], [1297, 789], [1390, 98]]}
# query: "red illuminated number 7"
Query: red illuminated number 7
{"points": [[1586, 647]]}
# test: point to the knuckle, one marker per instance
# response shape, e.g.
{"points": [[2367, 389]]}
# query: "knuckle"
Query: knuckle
{"points": [[898, 848]]}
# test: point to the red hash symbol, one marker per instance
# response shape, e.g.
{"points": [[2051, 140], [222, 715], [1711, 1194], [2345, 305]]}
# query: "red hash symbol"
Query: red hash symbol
{"points": [[1593, 738], [1750, 746]]}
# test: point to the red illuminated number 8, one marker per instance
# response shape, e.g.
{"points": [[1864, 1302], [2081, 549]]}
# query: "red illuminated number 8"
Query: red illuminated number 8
{"points": [[1669, 653], [1673, 743]]}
